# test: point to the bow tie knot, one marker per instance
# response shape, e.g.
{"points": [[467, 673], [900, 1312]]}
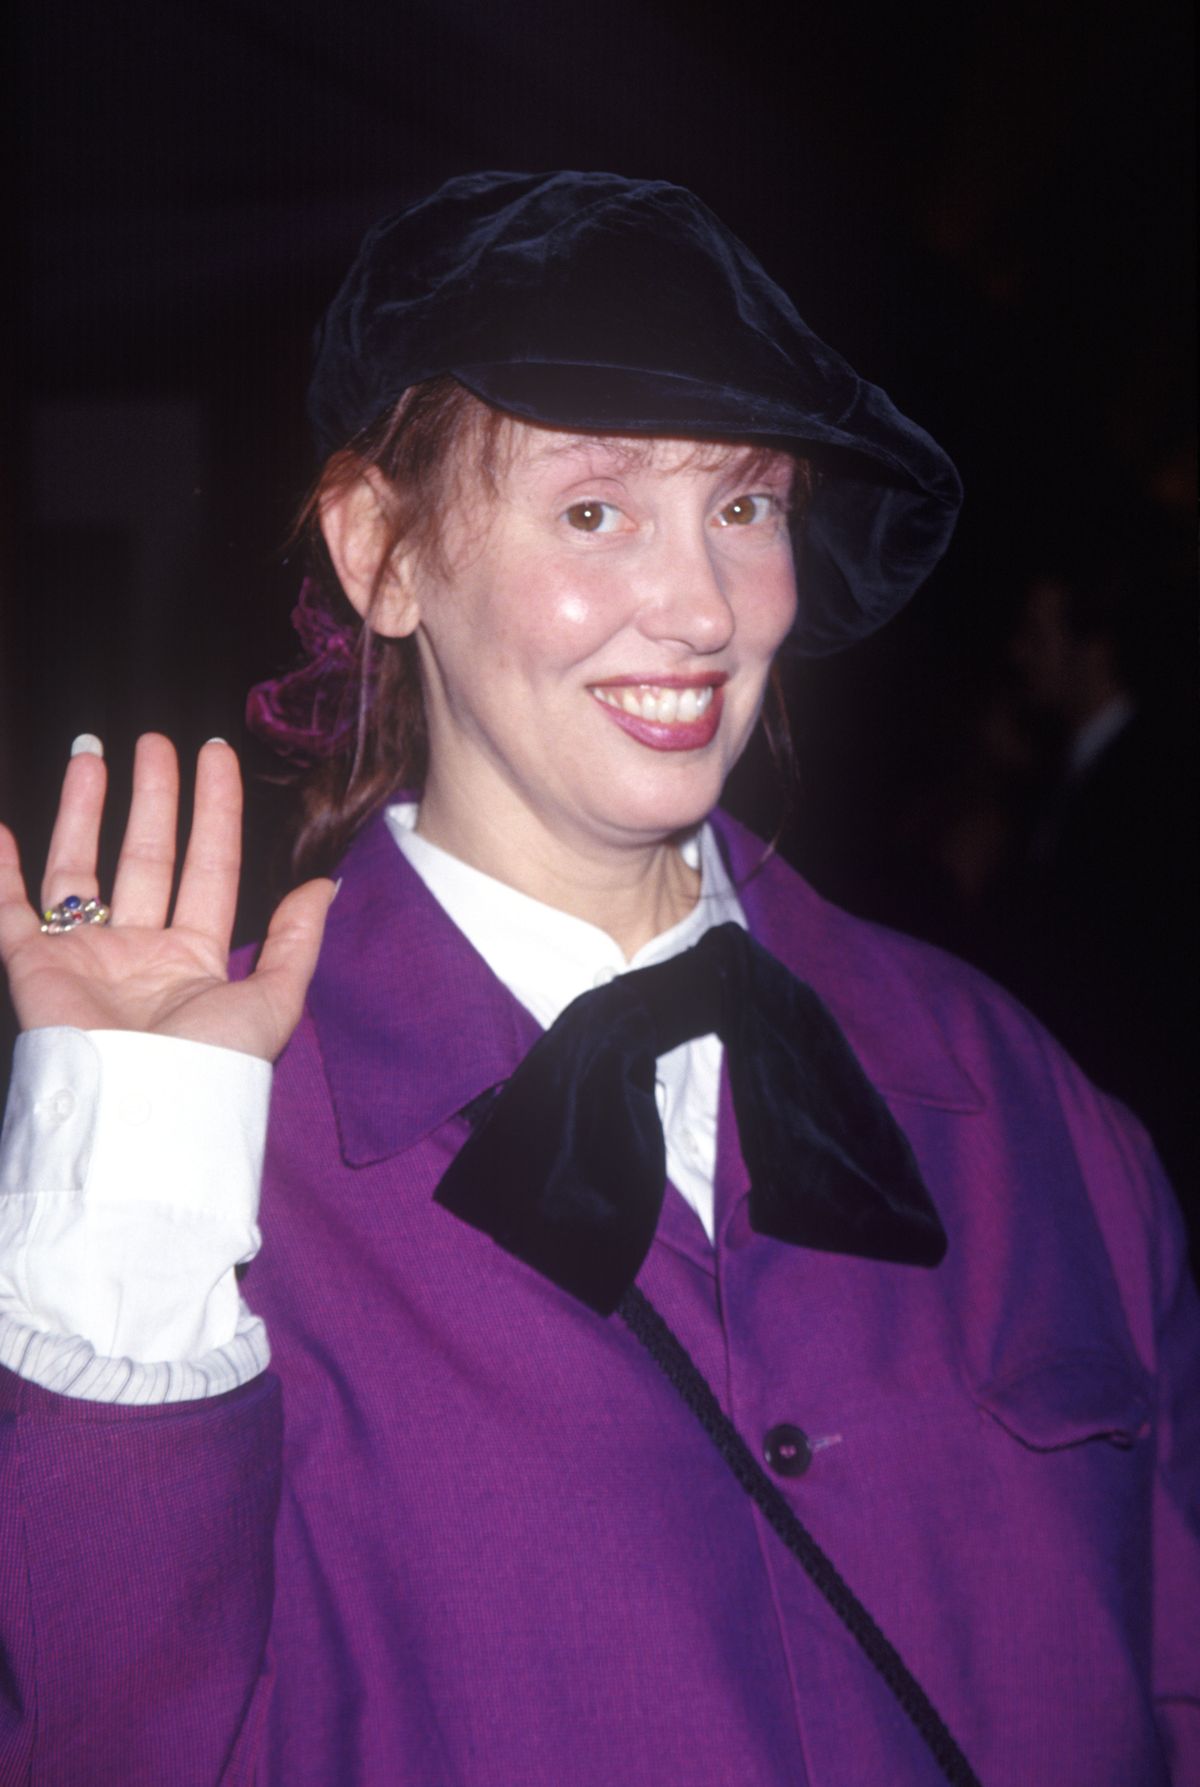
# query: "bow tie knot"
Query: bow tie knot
{"points": [[567, 1167]]}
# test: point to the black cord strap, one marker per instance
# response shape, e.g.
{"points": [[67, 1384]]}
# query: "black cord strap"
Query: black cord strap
{"points": [[673, 1359]]}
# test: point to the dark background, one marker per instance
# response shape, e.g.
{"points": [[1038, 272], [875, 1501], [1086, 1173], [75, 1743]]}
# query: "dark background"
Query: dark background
{"points": [[987, 207]]}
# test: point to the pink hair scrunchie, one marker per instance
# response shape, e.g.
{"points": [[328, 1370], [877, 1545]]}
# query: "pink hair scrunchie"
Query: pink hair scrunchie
{"points": [[307, 714]]}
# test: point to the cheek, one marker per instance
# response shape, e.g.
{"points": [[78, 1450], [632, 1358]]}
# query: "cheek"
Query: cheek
{"points": [[785, 613], [561, 619], [574, 615], [769, 611]]}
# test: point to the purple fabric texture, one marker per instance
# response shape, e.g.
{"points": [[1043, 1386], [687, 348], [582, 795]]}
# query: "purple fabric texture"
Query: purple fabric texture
{"points": [[505, 1554]]}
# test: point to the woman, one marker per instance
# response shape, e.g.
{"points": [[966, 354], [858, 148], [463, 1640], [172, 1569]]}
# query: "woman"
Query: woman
{"points": [[520, 1530]]}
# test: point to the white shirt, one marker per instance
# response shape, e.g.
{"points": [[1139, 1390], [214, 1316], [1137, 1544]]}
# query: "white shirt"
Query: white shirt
{"points": [[130, 1164]]}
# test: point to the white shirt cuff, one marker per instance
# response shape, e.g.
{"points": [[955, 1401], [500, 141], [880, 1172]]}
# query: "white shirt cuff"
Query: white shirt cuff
{"points": [[129, 1177]]}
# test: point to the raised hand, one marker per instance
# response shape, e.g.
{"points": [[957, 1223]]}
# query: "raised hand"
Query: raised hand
{"points": [[141, 972]]}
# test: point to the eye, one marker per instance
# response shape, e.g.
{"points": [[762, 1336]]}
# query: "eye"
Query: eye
{"points": [[592, 517], [744, 511]]}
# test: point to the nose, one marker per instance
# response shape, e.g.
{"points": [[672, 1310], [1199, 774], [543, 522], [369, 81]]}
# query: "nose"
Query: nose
{"points": [[689, 601]]}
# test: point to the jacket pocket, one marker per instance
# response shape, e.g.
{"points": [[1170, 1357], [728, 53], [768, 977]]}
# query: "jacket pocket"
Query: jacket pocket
{"points": [[1070, 1398]]}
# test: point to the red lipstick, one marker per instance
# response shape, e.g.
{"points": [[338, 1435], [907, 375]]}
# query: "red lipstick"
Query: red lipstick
{"points": [[668, 735]]}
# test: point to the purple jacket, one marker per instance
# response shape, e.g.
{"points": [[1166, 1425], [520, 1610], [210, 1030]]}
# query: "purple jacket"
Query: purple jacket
{"points": [[505, 1553]]}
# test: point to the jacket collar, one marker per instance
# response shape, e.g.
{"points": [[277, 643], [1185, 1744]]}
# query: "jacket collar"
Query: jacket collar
{"points": [[413, 1025], [411, 1022], [878, 984]]}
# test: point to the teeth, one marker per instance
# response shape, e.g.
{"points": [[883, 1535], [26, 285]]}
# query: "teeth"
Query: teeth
{"points": [[664, 705]]}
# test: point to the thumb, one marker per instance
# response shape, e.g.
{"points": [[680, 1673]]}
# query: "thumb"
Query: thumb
{"points": [[293, 941]]}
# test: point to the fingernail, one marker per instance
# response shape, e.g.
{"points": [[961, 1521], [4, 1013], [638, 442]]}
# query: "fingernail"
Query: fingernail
{"points": [[337, 888], [216, 741], [87, 745]]}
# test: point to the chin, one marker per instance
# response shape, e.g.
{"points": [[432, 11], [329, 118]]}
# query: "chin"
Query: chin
{"points": [[664, 813]]}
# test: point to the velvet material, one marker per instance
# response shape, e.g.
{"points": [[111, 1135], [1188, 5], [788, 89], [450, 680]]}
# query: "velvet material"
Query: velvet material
{"points": [[586, 300], [566, 1168]]}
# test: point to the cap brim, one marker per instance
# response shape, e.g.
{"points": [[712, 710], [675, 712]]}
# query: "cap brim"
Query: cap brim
{"points": [[624, 400]]}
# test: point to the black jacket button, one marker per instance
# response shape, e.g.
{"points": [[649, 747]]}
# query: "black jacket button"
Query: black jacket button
{"points": [[787, 1451]]}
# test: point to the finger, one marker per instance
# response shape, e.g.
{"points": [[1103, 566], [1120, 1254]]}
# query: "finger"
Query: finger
{"points": [[208, 888], [290, 950], [71, 858], [142, 891], [17, 917]]}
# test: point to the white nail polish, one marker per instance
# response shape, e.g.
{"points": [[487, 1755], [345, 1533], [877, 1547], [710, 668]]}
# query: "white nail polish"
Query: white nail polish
{"points": [[87, 745]]}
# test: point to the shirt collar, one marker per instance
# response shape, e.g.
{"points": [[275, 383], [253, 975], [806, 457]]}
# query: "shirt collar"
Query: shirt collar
{"points": [[544, 956]]}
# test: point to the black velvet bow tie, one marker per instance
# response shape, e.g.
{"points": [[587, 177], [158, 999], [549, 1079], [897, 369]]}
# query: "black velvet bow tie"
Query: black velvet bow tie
{"points": [[567, 1167]]}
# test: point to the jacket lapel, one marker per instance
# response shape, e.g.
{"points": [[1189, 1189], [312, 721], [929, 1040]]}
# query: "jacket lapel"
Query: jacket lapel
{"points": [[878, 985], [411, 1022], [413, 1025]]}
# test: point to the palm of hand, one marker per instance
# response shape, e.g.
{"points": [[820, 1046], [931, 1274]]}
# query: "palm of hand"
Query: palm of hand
{"points": [[169, 983], [141, 973]]}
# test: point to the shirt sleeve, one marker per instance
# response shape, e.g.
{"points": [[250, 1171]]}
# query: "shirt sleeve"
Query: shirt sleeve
{"points": [[129, 1180]]}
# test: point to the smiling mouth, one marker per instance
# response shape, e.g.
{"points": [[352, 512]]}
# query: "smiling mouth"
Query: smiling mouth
{"points": [[653, 701]]}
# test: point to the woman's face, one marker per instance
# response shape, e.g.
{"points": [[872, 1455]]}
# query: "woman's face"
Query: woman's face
{"points": [[595, 651]]}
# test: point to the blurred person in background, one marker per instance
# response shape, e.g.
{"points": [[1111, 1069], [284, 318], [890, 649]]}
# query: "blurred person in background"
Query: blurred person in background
{"points": [[1095, 925]]}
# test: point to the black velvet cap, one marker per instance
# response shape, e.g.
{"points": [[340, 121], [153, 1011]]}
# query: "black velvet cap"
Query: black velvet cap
{"points": [[589, 301]]}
